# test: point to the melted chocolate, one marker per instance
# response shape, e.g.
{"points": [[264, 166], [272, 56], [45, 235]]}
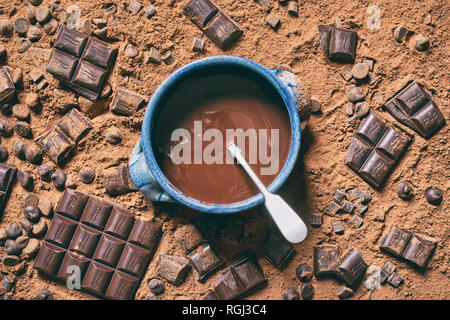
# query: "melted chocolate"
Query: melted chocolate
{"points": [[221, 101]]}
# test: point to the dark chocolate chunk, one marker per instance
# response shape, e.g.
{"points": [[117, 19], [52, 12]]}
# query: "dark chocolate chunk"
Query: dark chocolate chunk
{"points": [[81, 62], [395, 279], [395, 240], [333, 208], [342, 45], [351, 266], [23, 129], [389, 268], [173, 269], [126, 102], [277, 250], [325, 258], [419, 250], [273, 21], [7, 174], [316, 220], [6, 129], [204, 261], [375, 149], [189, 237], [339, 195], [45, 172], [415, 108], [433, 196], [337, 227], [32, 213], [347, 207], [365, 196], [117, 181], [324, 33], [200, 11], [361, 208], [405, 190], [223, 30], [344, 292], [111, 249]]}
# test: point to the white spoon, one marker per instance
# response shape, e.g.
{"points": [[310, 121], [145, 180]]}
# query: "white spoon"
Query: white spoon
{"points": [[290, 224]]}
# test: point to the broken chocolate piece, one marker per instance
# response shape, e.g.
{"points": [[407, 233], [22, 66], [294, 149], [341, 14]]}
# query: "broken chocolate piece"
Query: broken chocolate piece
{"points": [[189, 237], [173, 269], [415, 108], [117, 181], [7, 88], [333, 208], [395, 280], [7, 174], [316, 220], [277, 250], [325, 258], [419, 250], [343, 45], [204, 261], [126, 102], [395, 240], [351, 266]]}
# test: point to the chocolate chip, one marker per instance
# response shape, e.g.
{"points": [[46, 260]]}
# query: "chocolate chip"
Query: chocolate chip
{"points": [[421, 42], [86, 175], [59, 179], [22, 129], [113, 135], [356, 94], [168, 58], [433, 196], [273, 21], [6, 28], [13, 231], [152, 56], [362, 109], [307, 291], [4, 154], [101, 33], [32, 213], [33, 156], [360, 71], [45, 172], [303, 272], [25, 179], [405, 190], [344, 292], [290, 294], [44, 295], [198, 45], [30, 199], [12, 248], [149, 11], [156, 286], [131, 51], [42, 14], [6, 128], [399, 33], [21, 25]]}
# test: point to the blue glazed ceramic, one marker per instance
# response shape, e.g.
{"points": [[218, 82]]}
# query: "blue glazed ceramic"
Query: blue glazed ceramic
{"points": [[144, 169]]}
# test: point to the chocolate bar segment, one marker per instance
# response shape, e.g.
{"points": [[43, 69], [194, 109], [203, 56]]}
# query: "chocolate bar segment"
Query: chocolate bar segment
{"points": [[351, 267], [277, 250], [108, 246], [324, 33], [416, 109], [325, 259], [395, 240], [81, 62], [126, 102], [204, 261], [342, 45], [7, 174], [63, 137], [217, 25], [200, 11], [223, 30], [375, 149]]}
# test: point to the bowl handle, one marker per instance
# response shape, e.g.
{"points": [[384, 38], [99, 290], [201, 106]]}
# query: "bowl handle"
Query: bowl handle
{"points": [[143, 178], [293, 85]]}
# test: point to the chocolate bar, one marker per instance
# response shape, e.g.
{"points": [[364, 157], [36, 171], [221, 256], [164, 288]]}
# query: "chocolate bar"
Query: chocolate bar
{"points": [[416, 249], [7, 174], [416, 109], [200, 254], [339, 44], [277, 250], [218, 26], [7, 88], [81, 62], [375, 149], [238, 279], [111, 248], [63, 137]]}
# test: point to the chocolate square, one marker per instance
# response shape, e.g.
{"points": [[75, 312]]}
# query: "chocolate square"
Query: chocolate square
{"points": [[75, 125], [97, 278], [223, 30], [55, 144], [248, 272], [72, 204], [351, 267], [122, 286], [343, 45], [7, 88], [277, 250], [395, 240], [70, 261], [49, 258], [415, 108], [61, 231], [146, 234], [325, 258], [109, 250], [419, 250], [375, 149], [227, 286], [172, 268], [204, 261], [85, 240], [200, 11], [61, 65], [324, 34], [134, 260], [96, 213], [119, 223], [70, 41], [99, 53]]}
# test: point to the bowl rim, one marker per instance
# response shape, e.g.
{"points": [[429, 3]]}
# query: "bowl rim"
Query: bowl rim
{"points": [[180, 74]]}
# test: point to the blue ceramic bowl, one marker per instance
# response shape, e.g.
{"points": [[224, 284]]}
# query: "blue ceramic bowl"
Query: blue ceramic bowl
{"points": [[143, 167]]}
